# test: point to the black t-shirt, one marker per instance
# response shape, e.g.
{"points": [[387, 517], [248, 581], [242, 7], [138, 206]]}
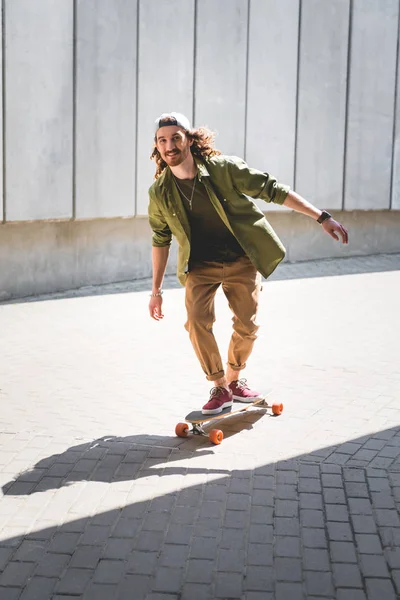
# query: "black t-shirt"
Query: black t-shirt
{"points": [[210, 238]]}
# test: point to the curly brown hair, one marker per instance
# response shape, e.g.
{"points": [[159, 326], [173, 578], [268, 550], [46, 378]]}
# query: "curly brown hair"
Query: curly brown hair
{"points": [[203, 145]]}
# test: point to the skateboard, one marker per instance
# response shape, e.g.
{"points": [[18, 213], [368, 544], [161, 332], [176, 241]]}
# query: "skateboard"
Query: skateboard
{"points": [[196, 418]]}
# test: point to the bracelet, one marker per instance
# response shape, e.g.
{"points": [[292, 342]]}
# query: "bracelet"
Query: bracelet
{"points": [[160, 293]]}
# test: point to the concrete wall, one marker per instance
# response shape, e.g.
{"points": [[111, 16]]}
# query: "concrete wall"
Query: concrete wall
{"points": [[304, 89]]}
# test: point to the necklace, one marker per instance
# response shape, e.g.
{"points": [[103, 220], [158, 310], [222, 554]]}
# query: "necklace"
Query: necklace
{"points": [[190, 200]]}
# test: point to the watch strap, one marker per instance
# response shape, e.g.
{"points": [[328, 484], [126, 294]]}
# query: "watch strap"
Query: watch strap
{"points": [[324, 216]]}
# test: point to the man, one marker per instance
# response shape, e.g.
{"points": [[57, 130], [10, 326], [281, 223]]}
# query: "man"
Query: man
{"points": [[204, 199]]}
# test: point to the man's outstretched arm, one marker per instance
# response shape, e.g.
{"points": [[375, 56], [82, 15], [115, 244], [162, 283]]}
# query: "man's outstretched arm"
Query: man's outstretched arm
{"points": [[159, 256], [332, 227]]}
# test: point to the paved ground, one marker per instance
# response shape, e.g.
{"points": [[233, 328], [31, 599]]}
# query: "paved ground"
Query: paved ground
{"points": [[100, 500]]}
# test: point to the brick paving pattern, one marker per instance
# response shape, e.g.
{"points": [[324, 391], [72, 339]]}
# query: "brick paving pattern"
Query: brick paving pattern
{"points": [[99, 499]]}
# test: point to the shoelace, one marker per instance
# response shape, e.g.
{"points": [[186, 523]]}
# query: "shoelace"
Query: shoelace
{"points": [[242, 384], [216, 391]]}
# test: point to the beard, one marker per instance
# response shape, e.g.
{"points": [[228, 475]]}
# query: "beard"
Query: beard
{"points": [[173, 159]]}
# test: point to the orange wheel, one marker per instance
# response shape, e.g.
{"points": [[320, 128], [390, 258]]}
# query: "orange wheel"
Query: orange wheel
{"points": [[182, 429], [277, 409], [216, 436]]}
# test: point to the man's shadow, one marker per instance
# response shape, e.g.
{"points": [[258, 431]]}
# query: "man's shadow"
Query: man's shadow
{"points": [[109, 459]]}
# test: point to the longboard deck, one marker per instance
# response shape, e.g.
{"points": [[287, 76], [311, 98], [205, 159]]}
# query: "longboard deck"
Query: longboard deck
{"points": [[197, 417]]}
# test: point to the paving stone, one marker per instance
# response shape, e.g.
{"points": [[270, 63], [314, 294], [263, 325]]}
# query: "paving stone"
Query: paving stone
{"points": [[286, 508], [363, 524], [118, 548], [288, 569], [314, 538], [368, 543], [316, 559], [52, 565], [261, 514], [141, 584], [337, 513], [319, 583], [74, 581], [287, 526], [311, 501], [231, 560], [141, 562], [312, 518], [374, 565], [377, 589], [10, 593], [350, 594], [262, 534], [202, 547], [334, 496], [341, 532], [289, 591], [287, 547], [30, 551], [260, 554], [194, 590], [16, 574], [100, 592], [360, 506], [174, 555], [5, 555], [343, 552], [86, 557], [39, 588], [125, 528], [259, 579], [236, 518], [347, 575], [168, 579], [387, 517], [285, 491]]}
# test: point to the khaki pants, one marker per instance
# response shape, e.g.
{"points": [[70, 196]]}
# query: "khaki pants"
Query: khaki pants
{"points": [[241, 284]]}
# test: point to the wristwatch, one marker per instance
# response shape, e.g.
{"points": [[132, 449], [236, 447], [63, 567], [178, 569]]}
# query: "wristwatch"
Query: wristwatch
{"points": [[324, 216]]}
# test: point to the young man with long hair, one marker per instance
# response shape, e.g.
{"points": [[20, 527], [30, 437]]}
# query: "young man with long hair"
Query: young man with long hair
{"points": [[204, 200]]}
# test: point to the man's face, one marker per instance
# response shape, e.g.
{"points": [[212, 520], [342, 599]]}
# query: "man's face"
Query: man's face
{"points": [[173, 145]]}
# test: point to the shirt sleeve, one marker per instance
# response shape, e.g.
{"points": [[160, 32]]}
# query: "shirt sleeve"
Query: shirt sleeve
{"points": [[162, 235], [256, 184]]}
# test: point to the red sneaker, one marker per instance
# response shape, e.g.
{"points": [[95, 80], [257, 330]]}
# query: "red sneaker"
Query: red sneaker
{"points": [[220, 398], [241, 391]]}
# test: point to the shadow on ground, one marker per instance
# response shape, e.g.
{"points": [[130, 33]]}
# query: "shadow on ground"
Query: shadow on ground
{"points": [[320, 525]]}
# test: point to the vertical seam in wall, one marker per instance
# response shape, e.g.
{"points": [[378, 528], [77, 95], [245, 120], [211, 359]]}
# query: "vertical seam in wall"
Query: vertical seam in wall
{"points": [[296, 124], [246, 80], [194, 63], [346, 112], [3, 107], [74, 82], [135, 183], [394, 116]]}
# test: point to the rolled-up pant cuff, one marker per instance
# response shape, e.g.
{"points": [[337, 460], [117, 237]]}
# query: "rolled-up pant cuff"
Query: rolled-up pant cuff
{"points": [[237, 367], [215, 376]]}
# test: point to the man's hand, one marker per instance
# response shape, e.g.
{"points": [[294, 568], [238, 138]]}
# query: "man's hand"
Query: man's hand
{"points": [[155, 308], [336, 230]]}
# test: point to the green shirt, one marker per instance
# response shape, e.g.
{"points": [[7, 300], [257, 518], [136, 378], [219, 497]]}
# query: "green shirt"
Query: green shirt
{"points": [[210, 237], [228, 178]]}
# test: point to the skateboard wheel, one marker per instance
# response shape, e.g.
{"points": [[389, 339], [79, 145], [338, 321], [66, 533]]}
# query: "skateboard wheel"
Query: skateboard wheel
{"points": [[182, 429], [277, 408], [216, 436]]}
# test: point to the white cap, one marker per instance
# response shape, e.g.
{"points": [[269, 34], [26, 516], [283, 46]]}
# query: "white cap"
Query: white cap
{"points": [[180, 121]]}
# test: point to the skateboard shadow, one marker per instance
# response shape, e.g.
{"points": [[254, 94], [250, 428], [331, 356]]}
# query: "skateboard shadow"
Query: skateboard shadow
{"points": [[109, 459], [236, 423]]}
